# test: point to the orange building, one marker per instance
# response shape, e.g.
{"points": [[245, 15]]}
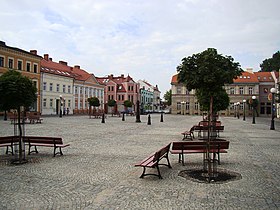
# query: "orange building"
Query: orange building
{"points": [[27, 63]]}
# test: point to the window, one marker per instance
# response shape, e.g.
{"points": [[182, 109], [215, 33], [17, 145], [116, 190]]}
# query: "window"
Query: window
{"points": [[178, 105], [86, 90], [231, 90], [44, 86], [187, 92], [196, 106], [250, 91], [35, 68], [45, 102], [64, 88], [178, 90], [51, 86], [76, 89], [28, 66], [2, 61], [241, 90], [187, 105], [19, 65], [231, 106], [51, 103], [57, 87], [11, 63], [69, 89], [69, 103], [81, 90]]}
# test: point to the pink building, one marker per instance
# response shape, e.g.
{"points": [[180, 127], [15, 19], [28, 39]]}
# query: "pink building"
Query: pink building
{"points": [[120, 89]]}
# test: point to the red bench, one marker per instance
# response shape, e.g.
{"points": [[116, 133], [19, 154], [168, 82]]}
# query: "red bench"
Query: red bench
{"points": [[192, 147], [33, 141], [153, 161], [41, 141]]}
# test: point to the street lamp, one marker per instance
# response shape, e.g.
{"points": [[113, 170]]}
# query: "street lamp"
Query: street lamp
{"points": [[60, 105], [273, 91], [253, 104], [244, 103], [237, 104], [234, 106]]}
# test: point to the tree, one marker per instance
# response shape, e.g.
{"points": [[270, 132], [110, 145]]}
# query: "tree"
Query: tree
{"points": [[93, 101], [168, 97], [271, 64], [17, 91], [220, 98], [207, 72], [111, 102], [127, 103]]}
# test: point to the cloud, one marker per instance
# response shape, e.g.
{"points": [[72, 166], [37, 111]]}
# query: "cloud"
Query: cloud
{"points": [[146, 39]]}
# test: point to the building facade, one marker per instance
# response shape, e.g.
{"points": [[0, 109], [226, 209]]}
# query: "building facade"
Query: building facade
{"points": [[27, 63], [242, 89], [120, 89]]}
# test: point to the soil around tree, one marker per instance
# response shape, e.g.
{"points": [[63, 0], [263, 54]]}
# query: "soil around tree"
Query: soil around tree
{"points": [[201, 176]]}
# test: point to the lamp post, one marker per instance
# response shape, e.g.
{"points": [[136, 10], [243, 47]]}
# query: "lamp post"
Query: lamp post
{"points": [[234, 105], [273, 91], [244, 103], [253, 104], [237, 104], [60, 106]]}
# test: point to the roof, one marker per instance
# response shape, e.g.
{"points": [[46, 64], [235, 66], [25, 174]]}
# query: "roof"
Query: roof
{"points": [[264, 76], [3, 44], [174, 79], [246, 77]]}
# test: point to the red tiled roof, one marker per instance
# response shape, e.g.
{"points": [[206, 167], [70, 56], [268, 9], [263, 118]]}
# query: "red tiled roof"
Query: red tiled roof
{"points": [[246, 77], [64, 70], [174, 79], [264, 76]]}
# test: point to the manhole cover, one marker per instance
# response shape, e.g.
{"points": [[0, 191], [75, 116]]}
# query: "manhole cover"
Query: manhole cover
{"points": [[200, 175]]}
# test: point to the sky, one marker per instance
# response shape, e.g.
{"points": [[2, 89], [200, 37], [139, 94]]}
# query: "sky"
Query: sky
{"points": [[146, 39]]}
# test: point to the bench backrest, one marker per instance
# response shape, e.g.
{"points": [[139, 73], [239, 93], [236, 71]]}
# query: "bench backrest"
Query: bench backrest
{"points": [[42, 140], [196, 145], [8, 139], [159, 154]]}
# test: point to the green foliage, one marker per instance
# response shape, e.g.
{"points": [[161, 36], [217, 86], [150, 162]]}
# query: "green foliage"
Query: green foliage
{"points": [[168, 97], [220, 98], [16, 90], [111, 102], [127, 103], [208, 70], [271, 64], [94, 101]]}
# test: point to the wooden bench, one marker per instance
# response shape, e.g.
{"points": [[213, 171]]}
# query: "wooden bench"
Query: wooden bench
{"points": [[8, 142], [215, 130], [153, 161], [189, 134], [35, 119], [192, 147], [39, 141]]}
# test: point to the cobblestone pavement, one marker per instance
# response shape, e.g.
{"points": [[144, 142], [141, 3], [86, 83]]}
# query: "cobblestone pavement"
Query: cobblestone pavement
{"points": [[97, 171]]}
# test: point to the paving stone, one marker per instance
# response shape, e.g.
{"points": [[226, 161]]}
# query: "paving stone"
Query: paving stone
{"points": [[97, 170]]}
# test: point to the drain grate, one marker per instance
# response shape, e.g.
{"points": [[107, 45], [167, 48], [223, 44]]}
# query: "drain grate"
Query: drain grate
{"points": [[200, 175]]}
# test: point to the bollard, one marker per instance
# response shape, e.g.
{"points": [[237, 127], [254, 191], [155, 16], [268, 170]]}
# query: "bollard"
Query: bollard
{"points": [[123, 117], [149, 120], [103, 118], [161, 117]]}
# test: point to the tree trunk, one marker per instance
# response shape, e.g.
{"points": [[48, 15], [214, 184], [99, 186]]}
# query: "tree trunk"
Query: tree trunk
{"points": [[20, 136]]}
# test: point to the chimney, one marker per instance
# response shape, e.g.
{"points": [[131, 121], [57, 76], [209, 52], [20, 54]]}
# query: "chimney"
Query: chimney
{"points": [[63, 63], [50, 59], [33, 52], [46, 57], [250, 70], [122, 75], [110, 76], [77, 67]]}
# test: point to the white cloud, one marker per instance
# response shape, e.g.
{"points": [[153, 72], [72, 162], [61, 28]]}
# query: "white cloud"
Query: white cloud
{"points": [[146, 39]]}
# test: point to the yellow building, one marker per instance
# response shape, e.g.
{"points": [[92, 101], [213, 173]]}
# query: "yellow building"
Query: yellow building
{"points": [[27, 63]]}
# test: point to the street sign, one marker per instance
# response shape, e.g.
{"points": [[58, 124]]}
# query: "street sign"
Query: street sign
{"points": [[269, 97]]}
